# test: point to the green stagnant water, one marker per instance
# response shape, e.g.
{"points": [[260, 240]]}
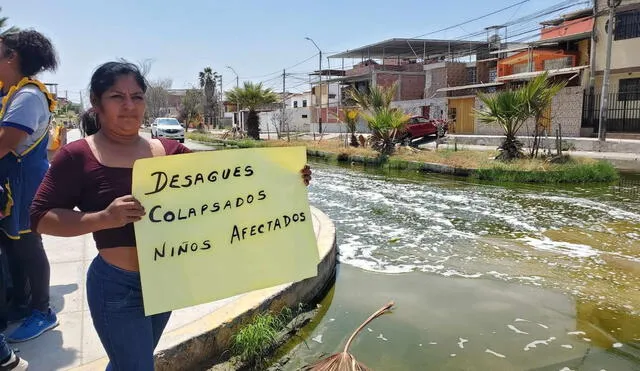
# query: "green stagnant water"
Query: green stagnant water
{"points": [[484, 276]]}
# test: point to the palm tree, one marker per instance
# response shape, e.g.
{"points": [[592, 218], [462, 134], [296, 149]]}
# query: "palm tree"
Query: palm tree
{"points": [[538, 95], [511, 108], [351, 121], [207, 80], [3, 25], [252, 96], [508, 110], [375, 98], [384, 122]]}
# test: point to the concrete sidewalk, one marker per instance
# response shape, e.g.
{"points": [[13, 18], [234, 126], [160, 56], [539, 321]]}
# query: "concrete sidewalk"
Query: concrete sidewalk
{"points": [[75, 341]]}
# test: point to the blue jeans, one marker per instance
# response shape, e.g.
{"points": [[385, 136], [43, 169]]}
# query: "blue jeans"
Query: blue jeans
{"points": [[5, 351], [115, 303]]}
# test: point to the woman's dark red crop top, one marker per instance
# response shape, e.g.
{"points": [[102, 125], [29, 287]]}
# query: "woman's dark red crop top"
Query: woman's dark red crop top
{"points": [[77, 179]]}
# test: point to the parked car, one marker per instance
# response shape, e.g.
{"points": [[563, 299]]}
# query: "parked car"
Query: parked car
{"points": [[422, 127], [167, 127]]}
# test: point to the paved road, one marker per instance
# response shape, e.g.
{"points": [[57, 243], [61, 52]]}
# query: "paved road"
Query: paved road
{"points": [[74, 134]]}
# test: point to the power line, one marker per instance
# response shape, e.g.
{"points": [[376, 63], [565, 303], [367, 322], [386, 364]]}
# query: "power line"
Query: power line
{"points": [[473, 20]]}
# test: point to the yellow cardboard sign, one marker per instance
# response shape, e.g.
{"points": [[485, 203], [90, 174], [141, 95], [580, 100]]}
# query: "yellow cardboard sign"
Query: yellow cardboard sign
{"points": [[221, 223]]}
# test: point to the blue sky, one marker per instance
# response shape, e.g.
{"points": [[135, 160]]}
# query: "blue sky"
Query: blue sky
{"points": [[256, 37]]}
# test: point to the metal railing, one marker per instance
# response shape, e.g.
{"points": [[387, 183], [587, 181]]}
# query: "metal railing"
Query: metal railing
{"points": [[623, 115]]}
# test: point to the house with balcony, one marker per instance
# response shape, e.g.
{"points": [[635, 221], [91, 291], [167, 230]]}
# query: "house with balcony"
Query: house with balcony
{"points": [[623, 114], [419, 67], [562, 51]]}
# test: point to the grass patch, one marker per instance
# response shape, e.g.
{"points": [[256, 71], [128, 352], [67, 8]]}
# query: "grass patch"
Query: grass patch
{"points": [[532, 171], [576, 170], [256, 340]]}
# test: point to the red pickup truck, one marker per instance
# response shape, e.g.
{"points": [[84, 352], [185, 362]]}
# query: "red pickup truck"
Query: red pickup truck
{"points": [[421, 127]]}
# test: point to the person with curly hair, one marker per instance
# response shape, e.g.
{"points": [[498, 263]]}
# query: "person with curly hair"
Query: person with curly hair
{"points": [[25, 116]]}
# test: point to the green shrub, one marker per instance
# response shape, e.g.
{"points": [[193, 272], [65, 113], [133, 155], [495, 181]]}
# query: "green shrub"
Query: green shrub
{"points": [[253, 342], [571, 172]]}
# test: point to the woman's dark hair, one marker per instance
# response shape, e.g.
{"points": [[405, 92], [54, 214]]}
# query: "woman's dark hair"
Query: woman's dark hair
{"points": [[89, 123], [103, 79], [34, 49], [106, 75]]}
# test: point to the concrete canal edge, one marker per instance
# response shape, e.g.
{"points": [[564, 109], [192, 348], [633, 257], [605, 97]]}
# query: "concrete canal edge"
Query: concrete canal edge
{"points": [[209, 338]]}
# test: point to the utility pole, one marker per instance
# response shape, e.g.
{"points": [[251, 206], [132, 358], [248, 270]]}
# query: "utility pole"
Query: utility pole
{"points": [[239, 123], [284, 101], [604, 106], [319, 84]]}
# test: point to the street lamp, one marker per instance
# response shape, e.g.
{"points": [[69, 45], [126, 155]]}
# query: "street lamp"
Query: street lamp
{"points": [[238, 102], [320, 83]]}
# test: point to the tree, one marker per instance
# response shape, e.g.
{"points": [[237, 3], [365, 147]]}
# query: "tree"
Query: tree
{"points": [[191, 107], [252, 96], [385, 124], [281, 122], [384, 121], [351, 121], [4, 27], [507, 110], [538, 94], [375, 98], [157, 97], [511, 108], [208, 80], [145, 66]]}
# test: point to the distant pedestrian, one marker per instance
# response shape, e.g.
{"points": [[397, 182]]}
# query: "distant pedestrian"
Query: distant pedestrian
{"points": [[94, 174], [88, 123], [25, 115]]}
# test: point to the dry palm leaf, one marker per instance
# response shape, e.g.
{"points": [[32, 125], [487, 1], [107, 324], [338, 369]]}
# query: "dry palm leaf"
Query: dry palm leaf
{"points": [[345, 361]]}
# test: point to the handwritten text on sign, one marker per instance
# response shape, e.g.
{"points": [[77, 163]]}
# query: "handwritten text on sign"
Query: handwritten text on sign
{"points": [[221, 223]]}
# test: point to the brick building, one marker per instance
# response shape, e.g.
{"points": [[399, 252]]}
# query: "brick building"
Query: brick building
{"points": [[418, 66]]}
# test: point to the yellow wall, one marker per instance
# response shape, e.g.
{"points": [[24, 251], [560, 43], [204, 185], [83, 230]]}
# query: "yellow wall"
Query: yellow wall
{"points": [[624, 53], [583, 50]]}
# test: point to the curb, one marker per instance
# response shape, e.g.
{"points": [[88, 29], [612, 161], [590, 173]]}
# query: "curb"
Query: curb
{"points": [[394, 164], [213, 332]]}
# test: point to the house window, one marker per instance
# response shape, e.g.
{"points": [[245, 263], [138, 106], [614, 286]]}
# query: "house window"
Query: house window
{"points": [[493, 74], [304, 116], [304, 103], [471, 75], [295, 104], [629, 89], [520, 68], [627, 25], [332, 96], [558, 63]]}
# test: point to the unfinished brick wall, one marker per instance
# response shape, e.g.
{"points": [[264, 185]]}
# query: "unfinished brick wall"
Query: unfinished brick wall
{"points": [[412, 87], [566, 110], [435, 79], [386, 80], [456, 74], [409, 86]]}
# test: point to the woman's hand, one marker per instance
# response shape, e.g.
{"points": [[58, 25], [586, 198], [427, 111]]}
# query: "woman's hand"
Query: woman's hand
{"points": [[306, 174], [122, 211]]}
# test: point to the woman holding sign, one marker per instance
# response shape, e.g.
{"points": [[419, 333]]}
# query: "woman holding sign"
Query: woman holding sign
{"points": [[94, 174]]}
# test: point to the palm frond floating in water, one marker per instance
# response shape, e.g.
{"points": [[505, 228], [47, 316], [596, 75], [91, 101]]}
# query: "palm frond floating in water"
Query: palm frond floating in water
{"points": [[344, 361]]}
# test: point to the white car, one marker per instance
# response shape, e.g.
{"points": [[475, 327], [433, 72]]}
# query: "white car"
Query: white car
{"points": [[167, 127]]}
